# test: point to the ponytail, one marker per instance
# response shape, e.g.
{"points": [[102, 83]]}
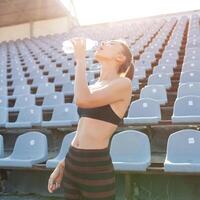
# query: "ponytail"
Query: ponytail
{"points": [[129, 72]]}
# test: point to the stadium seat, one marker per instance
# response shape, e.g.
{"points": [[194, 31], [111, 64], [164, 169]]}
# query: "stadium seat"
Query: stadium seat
{"points": [[1, 147], [59, 80], [39, 80], [164, 69], [3, 90], [190, 76], [21, 90], [23, 101], [183, 152], [45, 89], [188, 89], [3, 116], [143, 111], [30, 148], [63, 115], [135, 84], [52, 163], [27, 117], [3, 101], [53, 99], [68, 88], [160, 79], [140, 73], [186, 109], [130, 151], [155, 92]]}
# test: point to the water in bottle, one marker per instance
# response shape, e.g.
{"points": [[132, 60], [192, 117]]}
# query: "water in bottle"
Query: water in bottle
{"points": [[68, 46]]}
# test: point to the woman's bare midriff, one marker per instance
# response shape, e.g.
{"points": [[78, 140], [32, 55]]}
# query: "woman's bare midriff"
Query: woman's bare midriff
{"points": [[93, 133]]}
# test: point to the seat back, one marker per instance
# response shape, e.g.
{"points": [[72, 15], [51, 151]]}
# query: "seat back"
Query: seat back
{"points": [[184, 146], [130, 146], [30, 145]]}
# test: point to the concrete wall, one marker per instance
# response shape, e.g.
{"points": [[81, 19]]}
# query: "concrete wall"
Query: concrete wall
{"points": [[37, 28]]}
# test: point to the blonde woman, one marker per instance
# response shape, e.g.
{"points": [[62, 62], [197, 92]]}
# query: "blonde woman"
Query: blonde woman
{"points": [[87, 171]]}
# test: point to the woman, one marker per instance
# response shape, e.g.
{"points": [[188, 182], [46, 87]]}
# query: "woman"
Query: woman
{"points": [[87, 169]]}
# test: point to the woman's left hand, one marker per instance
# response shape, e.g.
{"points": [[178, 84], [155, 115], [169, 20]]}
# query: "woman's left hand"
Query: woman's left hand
{"points": [[79, 48]]}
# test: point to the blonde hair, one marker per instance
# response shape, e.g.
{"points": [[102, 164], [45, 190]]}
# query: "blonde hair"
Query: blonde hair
{"points": [[127, 68]]}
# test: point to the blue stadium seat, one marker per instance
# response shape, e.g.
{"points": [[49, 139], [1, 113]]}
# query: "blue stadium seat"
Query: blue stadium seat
{"points": [[68, 88], [63, 115], [143, 111], [164, 69], [190, 66], [1, 147], [3, 90], [21, 90], [45, 89], [156, 92], [30, 148], [23, 101], [160, 79], [188, 89], [52, 163], [27, 117], [3, 101], [135, 84], [54, 99], [3, 116], [183, 152], [39, 80], [186, 109], [59, 80], [130, 151], [140, 73], [190, 76]]}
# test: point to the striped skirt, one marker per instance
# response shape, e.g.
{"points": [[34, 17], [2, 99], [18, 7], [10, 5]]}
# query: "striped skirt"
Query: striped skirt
{"points": [[88, 175]]}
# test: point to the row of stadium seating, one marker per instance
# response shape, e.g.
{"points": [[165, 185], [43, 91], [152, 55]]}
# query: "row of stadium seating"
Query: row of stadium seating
{"points": [[182, 151]]}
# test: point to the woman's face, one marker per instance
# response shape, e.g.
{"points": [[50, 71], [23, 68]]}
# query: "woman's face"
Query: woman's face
{"points": [[108, 50]]}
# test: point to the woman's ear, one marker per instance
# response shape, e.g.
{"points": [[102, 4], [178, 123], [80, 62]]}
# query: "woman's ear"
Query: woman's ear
{"points": [[120, 58]]}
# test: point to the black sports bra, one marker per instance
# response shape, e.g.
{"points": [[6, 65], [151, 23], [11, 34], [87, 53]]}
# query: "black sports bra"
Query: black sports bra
{"points": [[104, 113]]}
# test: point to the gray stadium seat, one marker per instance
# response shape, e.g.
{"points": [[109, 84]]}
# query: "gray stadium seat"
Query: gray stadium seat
{"points": [[143, 111], [186, 109], [1, 147], [27, 117], [130, 151], [189, 89], [63, 115], [156, 92], [160, 79], [30, 148], [183, 152], [52, 163]]}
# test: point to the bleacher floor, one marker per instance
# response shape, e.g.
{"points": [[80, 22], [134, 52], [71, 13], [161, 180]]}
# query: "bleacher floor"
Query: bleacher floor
{"points": [[146, 187]]}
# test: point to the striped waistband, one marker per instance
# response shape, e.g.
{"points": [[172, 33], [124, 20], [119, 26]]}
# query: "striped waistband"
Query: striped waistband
{"points": [[81, 151]]}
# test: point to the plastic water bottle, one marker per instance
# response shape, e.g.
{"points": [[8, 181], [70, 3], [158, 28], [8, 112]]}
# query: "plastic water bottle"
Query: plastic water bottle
{"points": [[69, 48]]}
